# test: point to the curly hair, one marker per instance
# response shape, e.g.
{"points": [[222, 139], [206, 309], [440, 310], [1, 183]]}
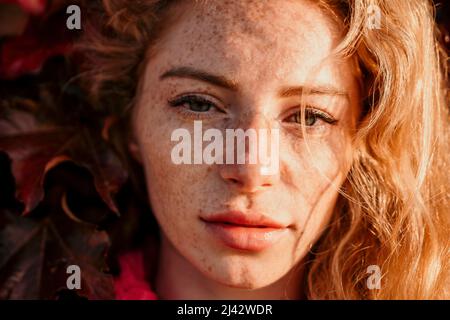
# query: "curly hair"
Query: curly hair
{"points": [[393, 210]]}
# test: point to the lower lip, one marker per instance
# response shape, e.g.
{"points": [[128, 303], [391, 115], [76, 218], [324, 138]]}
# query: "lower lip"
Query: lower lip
{"points": [[246, 238]]}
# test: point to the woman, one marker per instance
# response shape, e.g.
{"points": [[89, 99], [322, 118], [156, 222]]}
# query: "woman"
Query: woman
{"points": [[358, 207]]}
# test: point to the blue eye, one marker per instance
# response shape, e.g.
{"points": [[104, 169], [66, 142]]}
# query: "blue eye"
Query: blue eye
{"points": [[193, 103], [311, 117]]}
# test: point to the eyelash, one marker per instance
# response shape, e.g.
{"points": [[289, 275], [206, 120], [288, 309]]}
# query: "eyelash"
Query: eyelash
{"points": [[190, 99], [197, 115], [311, 111]]}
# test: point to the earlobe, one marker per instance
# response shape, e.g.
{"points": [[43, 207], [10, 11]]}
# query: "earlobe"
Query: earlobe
{"points": [[133, 147]]}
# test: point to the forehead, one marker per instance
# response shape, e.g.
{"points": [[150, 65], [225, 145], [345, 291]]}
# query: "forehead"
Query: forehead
{"points": [[258, 37]]}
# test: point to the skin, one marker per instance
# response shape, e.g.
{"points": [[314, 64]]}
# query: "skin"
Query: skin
{"points": [[262, 48]]}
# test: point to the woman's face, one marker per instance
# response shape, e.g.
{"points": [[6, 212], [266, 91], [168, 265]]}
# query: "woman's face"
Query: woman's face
{"points": [[242, 65]]}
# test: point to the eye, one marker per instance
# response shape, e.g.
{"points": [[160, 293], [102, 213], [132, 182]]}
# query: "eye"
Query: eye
{"points": [[311, 117], [195, 104]]}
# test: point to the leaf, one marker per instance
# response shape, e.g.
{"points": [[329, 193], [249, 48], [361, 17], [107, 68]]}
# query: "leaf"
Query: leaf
{"points": [[31, 6], [36, 148], [42, 39], [46, 120], [35, 253], [13, 20]]}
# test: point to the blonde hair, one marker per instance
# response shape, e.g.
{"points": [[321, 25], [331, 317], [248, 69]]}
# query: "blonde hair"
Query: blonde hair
{"points": [[396, 210], [393, 211]]}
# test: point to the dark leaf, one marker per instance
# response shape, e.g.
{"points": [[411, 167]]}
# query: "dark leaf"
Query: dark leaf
{"points": [[36, 251], [36, 148], [13, 20], [31, 6], [28, 52]]}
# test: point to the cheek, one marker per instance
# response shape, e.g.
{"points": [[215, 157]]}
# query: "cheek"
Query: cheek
{"points": [[175, 191], [170, 193], [153, 134], [313, 165], [314, 169]]}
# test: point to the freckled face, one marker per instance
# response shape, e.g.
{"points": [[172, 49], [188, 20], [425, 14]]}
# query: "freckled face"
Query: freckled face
{"points": [[266, 51]]}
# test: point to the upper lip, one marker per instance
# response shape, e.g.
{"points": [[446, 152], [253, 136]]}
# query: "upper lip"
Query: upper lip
{"points": [[251, 219]]}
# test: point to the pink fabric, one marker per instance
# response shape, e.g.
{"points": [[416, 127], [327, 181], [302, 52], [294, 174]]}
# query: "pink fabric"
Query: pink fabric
{"points": [[132, 284]]}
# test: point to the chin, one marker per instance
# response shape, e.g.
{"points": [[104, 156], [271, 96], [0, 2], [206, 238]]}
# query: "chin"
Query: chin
{"points": [[243, 275], [245, 283]]}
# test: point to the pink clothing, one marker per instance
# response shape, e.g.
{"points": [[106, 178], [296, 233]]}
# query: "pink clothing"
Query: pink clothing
{"points": [[132, 283]]}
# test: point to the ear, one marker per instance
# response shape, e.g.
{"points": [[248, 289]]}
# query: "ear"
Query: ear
{"points": [[133, 147]]}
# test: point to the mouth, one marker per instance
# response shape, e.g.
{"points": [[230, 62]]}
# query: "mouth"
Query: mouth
{"points": [[245, 231]]}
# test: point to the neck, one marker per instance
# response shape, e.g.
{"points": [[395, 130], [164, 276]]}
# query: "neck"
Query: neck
{"points": [[178, 279]]}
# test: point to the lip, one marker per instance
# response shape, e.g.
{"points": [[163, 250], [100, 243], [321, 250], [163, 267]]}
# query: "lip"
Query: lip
{"points": [[245, 231]]}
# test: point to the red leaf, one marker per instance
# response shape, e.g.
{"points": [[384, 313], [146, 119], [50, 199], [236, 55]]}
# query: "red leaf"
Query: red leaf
{"points": [[35, 254], [28, 52], [13, 20], [36, 7], [16, 60], [35, 149]]}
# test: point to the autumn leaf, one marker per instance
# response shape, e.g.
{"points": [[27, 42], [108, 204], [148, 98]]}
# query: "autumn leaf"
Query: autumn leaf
{"points": [[13, 20], [39, 33], [48, 126], [36, 148], [28, 52], [31, 6], [35, 252]]}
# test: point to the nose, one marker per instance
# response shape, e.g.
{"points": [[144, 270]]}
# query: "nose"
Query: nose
{"points": [[248, 178], [260, 170]]}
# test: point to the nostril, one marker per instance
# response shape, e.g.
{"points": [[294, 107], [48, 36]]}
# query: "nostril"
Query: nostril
{"points": [[236, 181]]}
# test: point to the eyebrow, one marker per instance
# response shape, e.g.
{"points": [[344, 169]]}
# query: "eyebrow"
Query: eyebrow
{"points": [[220, 81], [317, 90], [187, 72]]}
